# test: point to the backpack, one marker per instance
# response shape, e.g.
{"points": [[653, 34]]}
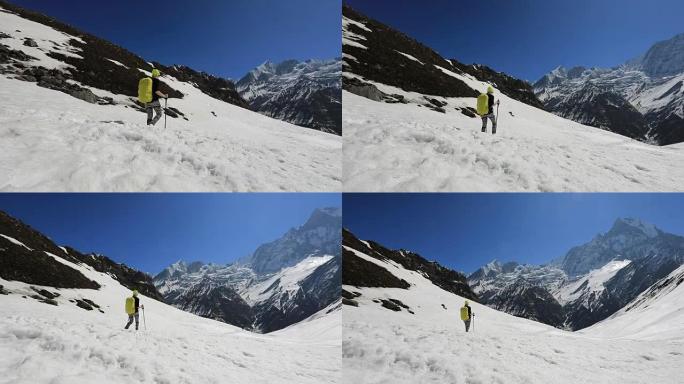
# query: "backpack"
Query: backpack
{"points": [[145, 90], [483, 104], [130, 305], [464, 313]]}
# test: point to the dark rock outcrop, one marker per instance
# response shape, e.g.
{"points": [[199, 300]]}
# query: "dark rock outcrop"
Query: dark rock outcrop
{"points": [[34, 262], [384, 60], [445, 278], [94, 67]]}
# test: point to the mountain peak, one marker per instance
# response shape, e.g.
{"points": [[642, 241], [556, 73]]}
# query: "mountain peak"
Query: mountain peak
{"points": [[648, 229], [665, 58], [324, 217]]}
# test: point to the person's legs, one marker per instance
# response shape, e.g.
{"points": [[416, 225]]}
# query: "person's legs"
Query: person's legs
{"points": [[467, 324], [493, 119], [150, 113], [130, 321], [136, 321], [484, 123], [158, 111]]}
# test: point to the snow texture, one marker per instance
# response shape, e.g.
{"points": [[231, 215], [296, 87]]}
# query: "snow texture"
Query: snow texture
{"points": [[431, 346], [410, 148], [41, 343], [50, 141]]}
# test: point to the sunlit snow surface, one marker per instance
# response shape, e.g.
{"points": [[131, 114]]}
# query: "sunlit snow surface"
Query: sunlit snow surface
{"points": [[431, 346], [41, 343], [405, 147], [50, 141]]}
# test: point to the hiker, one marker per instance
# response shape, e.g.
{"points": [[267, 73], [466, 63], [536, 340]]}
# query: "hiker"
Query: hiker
{"points": [[485, 108], [466, 315], [132, 305], [151, 97]]}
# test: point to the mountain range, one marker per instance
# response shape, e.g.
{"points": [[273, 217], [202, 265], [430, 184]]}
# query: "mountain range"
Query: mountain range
{"points": [[305, 93], [281, 283], [589, 283], [642, 98]]}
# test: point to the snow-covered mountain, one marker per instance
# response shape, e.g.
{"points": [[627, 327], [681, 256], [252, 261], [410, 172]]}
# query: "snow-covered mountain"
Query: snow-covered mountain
{"points": [[62, 318], [279, 284], [68, 103], [642, 98], [413, 334], [410, 125], [306, 93], [590, 283]]}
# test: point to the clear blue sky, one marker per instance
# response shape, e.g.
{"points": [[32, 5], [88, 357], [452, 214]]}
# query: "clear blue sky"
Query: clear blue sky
{"points": [[226, 38], [466, 231], [528, 38], [150, 231]]}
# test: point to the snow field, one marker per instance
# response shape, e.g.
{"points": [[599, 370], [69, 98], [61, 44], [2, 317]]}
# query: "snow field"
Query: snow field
{"points": [[41, 343], [381, 346], [407, 148], [53, 142]]}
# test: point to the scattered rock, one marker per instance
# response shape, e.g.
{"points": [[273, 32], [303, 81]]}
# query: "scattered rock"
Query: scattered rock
{"points": [[2, 291], [470, 112], [353, 303], [350, 295], [214, 113], [106, 101], [44, 300], [391, 305], [45, 293], [399, 303], [4, 36], [92, 304], [444, 306], [84, 94], [29, 42], [84, 305]]}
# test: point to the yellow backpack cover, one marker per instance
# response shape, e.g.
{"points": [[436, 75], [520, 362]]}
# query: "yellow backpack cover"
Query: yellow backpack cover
{"points": [[464, 313], [483, 104], [130, 305], [145, 90]]}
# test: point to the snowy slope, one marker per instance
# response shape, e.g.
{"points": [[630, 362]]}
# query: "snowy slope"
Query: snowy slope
{"points": [[404, 147], [590, 285], [657, 314], [41, 343], [430, 346], [285, 282], [55, 142]]}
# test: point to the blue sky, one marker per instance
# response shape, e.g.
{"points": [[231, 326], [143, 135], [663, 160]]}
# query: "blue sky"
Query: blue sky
{"points": [[226, 38], [466, 231], [150, 231], [528, 38]]}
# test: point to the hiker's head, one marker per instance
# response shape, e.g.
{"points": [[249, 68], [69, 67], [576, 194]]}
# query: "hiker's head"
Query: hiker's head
{"points": [[466, 302], [156, 73], [135, 292], [490, 89]]}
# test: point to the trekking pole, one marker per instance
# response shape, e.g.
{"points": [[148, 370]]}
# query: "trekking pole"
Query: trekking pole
{"points": [[144, 321], [496, 121], [473, 320], [166, 103]]}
